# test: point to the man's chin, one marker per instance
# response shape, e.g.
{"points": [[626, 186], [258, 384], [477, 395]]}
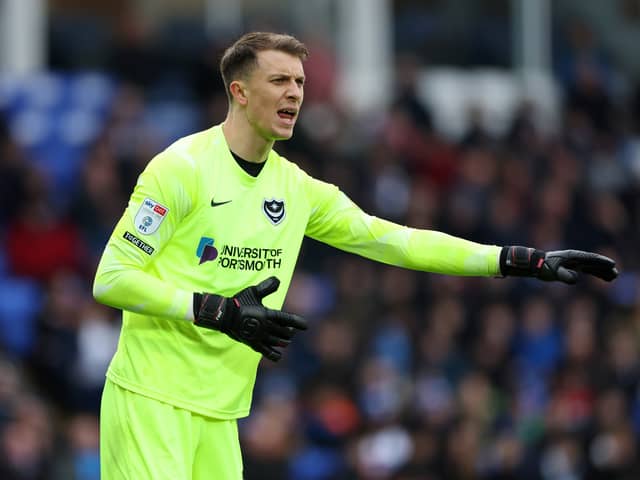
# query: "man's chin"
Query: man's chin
{"points": [[283, 134]]}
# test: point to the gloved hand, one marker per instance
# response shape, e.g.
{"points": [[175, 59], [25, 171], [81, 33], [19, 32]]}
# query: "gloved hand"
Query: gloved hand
{"points": [[561, 265], [245, 319]]}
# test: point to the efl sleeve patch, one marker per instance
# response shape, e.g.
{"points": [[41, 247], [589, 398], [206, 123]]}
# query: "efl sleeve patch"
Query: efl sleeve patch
{"points": [[146, 248], [149, 217]]}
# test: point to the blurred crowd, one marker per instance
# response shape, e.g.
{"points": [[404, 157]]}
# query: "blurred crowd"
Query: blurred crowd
{"points": [[403, 375]]}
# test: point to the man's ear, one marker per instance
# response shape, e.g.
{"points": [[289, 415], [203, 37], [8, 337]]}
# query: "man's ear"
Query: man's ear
{"points": [[238, 92]]}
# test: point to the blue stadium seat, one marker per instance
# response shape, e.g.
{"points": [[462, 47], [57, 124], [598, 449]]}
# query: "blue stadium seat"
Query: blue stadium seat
{"points": [[56, 117], [20, 302], [170, 120]]}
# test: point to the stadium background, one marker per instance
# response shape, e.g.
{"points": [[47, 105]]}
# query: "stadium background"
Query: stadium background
{"points": [[506, 122]]}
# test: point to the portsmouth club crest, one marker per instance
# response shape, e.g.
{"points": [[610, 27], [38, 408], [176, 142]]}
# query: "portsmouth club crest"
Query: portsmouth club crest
{"points": [[274, 210]]}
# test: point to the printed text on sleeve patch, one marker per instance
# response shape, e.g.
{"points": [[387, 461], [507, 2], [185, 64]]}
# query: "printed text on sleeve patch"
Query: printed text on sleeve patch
{"points": [[146, 248]]}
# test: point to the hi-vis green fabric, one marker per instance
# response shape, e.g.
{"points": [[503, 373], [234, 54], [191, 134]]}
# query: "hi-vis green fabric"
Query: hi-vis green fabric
{"points": [[197, 222]]}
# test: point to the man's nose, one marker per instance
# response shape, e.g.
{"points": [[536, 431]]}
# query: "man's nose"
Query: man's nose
{"points": [[294, 91]]}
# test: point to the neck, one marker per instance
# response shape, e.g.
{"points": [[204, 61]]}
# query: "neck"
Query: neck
{"points": [[243, 139]]}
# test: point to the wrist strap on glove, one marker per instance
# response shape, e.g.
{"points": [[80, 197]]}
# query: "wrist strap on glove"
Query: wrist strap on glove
{"points": [[517, 261], [209, 309]]}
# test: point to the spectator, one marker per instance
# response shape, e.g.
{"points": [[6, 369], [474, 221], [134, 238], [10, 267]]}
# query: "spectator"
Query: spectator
{"points": [[41, 241]]}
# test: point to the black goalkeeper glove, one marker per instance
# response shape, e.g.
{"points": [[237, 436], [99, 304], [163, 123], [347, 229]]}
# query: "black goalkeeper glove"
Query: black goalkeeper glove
{"points": [[560, 265], [245, 319]]}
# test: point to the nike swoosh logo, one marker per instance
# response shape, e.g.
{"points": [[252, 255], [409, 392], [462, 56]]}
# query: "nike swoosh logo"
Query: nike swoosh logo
{"points": [[217, 204]]}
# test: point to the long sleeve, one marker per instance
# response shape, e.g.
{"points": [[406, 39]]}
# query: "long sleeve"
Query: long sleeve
{"points": [[157, 205], [339, 222]]}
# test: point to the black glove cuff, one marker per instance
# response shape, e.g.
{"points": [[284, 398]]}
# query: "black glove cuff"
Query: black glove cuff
{"points": [[520, 261], [211, 311]]}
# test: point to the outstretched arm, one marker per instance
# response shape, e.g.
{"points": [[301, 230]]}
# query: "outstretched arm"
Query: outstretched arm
{"points": [[339, 222]]}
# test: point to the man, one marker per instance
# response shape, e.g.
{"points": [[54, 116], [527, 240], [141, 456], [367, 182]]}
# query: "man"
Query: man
{"points": [[212, 229]]}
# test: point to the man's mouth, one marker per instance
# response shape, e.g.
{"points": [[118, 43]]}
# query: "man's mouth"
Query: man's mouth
{"points": [[287, 113]]}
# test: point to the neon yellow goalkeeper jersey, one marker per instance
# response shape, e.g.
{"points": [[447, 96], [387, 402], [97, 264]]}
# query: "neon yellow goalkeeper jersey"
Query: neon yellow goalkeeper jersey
{"points": [[197, 222]]}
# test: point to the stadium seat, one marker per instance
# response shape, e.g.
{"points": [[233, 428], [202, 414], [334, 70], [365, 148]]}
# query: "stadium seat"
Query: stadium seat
{"points": [[20, 302], [55, 118]]}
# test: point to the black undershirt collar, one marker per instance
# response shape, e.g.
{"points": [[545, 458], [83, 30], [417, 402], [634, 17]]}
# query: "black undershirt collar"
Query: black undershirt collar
{"points": [[251, 168]]}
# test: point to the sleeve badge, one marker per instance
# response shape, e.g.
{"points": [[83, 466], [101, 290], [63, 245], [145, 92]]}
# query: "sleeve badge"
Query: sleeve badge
{"points": [[149, 216]]}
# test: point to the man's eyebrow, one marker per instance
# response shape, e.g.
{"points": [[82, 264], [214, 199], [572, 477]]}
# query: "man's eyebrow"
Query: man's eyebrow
{"points": [[286, 75]]}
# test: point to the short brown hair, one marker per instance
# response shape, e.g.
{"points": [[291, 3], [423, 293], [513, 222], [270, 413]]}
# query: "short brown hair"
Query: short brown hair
{"points": [[241, 57]]}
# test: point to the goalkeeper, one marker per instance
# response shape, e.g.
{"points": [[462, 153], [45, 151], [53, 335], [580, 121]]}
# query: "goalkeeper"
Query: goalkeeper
{"points": [[201, 260]]}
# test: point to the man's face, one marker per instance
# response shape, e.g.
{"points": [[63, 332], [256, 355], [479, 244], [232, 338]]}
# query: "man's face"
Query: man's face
{"points": [[274, 91]]}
